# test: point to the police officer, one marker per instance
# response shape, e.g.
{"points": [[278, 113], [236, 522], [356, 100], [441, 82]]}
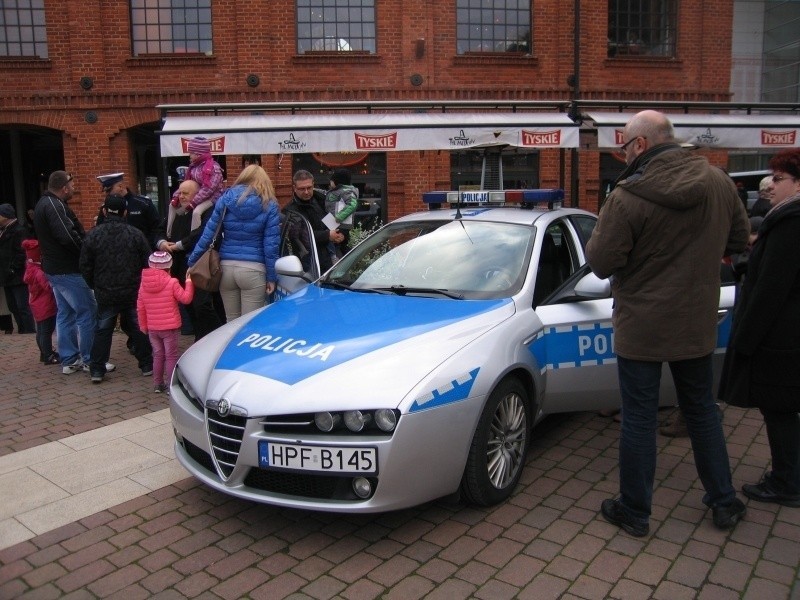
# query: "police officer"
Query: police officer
{"points": [[141, 212]]}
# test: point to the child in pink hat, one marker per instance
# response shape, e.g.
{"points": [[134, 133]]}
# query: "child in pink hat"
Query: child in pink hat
{"points": [[42, 302], [159, 315]]}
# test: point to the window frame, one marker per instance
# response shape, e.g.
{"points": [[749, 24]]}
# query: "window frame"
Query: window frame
{"points": [[197, 18], [490, 44], [341, 32], [629, 35], [29, 31]]}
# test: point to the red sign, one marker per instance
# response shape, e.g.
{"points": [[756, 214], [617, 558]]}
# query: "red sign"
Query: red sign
{"points": [[217, 144], [778, 138], [541, 138], [386, 141], [339, 159], [618, 138]]}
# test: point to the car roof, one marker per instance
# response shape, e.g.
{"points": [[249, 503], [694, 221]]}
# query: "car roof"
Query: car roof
{"points": [[522, 216]]}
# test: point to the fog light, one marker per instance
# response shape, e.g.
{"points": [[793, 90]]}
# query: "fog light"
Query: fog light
{"points": [[385, 419], [326, 421], [362, 487], [355, 420]]}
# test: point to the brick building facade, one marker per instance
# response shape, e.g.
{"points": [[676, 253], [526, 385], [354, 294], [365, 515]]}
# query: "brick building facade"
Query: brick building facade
{"points": [[90, 106]]}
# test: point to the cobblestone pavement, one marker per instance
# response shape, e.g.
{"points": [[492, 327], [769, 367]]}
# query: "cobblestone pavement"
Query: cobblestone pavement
{"points": [[187, 541]]}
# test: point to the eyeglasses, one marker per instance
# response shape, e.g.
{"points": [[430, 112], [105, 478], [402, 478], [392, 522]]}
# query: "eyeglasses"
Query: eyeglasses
{"points": [[779, 178], [624, 146]]}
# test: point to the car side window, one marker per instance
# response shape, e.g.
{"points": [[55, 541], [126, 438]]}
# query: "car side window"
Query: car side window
{"points": [[297, 239], [557, 261], [584, 226]]}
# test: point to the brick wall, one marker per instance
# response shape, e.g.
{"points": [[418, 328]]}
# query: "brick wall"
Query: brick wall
{"points": [[90, 38]]}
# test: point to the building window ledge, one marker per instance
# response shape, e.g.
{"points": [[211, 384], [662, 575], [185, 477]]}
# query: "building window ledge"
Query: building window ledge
{"points": [[18, 62], [495, 58], [652, 62], [170, 60], [344, 57]]}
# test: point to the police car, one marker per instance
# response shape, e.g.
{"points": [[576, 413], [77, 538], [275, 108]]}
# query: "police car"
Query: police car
{"points": [[415, 368]]}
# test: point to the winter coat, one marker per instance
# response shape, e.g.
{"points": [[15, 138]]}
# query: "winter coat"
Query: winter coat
{"points": [[348, 196], [12, 256], [40, 294], [142, 214], [60, 235], [661, 234], [112, 258], [250, 232], [208, 175], [761, 362], [157, 305]]}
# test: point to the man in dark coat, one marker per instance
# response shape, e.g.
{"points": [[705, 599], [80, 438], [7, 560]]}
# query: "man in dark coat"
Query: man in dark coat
{"points": [[112, 258], [310, 203], [12, 268], [60, 236], [661, 235], [180, 240]]}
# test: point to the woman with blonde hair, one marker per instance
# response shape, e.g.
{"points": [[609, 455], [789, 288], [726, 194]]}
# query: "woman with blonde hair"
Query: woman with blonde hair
{"points": [[250, 240]]}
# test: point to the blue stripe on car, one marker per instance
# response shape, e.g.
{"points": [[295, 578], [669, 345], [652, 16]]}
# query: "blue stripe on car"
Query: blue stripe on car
{"points": [[455, 391]]}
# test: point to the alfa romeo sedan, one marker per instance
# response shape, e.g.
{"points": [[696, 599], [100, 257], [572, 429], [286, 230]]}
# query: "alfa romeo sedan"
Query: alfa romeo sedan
{"points": [[415, 368]]}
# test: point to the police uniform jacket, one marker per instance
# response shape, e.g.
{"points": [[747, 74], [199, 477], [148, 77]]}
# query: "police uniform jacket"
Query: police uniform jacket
{"points": [[662, 234], [761, 363], [112, 258]]}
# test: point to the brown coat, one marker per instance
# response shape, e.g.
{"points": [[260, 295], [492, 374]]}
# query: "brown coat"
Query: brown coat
{"points": [[662, 234]]}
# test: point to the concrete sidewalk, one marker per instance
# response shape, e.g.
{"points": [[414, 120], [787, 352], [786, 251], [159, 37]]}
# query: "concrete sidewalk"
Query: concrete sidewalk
{"points": [[94, 506]]}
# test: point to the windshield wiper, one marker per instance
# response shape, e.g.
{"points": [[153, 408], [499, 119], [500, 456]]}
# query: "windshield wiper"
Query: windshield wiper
{"points": [[402, 290], [334, 284], [344, 286]]}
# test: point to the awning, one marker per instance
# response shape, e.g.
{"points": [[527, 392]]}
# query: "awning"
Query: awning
{"points": [[710, 130], [368, 132]]}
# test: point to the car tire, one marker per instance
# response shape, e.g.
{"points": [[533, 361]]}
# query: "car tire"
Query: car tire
{"points": [[497, 454]]}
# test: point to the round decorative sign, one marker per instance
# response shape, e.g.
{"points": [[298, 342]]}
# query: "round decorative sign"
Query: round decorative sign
{"points": [[339, 159]]}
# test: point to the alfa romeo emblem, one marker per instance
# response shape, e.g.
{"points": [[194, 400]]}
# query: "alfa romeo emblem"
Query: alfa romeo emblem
{"points": [[224, 407]]}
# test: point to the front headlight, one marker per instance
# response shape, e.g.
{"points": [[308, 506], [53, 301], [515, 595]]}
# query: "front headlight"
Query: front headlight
{"points": [[384, 419]]}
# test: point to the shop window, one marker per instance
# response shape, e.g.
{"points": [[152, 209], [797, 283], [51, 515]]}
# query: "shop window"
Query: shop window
{"points": [[642, 28], [171, 27], [335, 26], [493, 26], [471, 169], [22, 29]]}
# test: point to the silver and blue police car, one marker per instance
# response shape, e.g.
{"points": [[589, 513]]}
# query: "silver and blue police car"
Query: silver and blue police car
{"points": [[415, 368]]}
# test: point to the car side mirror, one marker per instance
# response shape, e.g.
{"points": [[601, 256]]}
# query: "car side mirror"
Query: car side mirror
{"points": [[591, 286], [290, 266]]}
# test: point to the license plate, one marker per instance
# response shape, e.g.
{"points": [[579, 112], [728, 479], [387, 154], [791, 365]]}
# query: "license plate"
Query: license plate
{"points": [[322, 459]]}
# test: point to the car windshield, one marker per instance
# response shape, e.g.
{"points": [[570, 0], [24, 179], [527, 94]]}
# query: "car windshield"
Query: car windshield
{"points": [[461, 259]]}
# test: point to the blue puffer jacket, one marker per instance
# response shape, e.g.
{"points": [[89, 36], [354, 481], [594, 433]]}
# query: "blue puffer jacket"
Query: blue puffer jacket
{"points": [[249, 232]]}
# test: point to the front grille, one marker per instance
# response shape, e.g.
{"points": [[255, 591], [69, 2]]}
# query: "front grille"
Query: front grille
{"points": [[201, 457], [322, 487], [225, 435]]}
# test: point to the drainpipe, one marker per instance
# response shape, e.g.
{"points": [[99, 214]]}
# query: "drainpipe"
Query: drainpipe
{"points": [[574, 81]]}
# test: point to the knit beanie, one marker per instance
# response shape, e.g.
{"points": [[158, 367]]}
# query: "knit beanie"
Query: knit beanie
{"points": [[160, 260], [199, 145], [32, 250]]}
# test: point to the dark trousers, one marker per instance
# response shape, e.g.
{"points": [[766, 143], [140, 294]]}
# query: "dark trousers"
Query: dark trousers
{"points": [[17, 300], [783, 433], [639, 387], [101, 347], [44, 337], [202, 313]]}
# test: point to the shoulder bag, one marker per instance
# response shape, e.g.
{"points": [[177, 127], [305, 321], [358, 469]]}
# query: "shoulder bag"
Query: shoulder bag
{"points": [[207, 271]]}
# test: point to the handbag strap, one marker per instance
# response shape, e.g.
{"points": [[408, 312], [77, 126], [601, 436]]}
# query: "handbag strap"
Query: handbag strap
{"points": [[219, 227]]}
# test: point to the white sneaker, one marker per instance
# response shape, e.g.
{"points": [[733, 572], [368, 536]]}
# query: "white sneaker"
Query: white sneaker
{"points": [[109, 367], [74, 367]]}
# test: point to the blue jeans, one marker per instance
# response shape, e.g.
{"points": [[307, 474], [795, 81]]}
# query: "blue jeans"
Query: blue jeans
{"points": [[76, 317], [106, 321], [639, 386]]}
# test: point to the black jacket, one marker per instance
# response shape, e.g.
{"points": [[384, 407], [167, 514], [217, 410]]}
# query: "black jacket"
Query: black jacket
{"points": [[142, 214], [12, 256], [313, 211], [112, 259], [760, 367], [60, 235], [182, 232]]}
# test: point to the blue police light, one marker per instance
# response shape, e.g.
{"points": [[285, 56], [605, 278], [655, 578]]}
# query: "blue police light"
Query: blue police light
{"points": [[553, 197]]}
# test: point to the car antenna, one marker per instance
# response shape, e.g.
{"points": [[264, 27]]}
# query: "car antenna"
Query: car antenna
{"points": [[458, 207]]}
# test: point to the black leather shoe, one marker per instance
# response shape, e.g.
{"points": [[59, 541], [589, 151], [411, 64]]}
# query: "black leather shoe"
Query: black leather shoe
{"points": [[729, 515], [764, 491], [615, 514]]}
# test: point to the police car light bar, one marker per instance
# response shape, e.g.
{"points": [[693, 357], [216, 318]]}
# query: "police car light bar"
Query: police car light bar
{"points": [[526, 198]]}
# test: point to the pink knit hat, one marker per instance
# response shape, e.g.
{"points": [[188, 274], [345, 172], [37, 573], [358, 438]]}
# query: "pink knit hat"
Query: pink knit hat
{"points": [[199, 145], [160, 260]]}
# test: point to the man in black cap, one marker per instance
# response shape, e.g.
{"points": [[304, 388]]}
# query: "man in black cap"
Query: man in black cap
{"points": [[12, 268], [112, 258], [140, 211]]}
